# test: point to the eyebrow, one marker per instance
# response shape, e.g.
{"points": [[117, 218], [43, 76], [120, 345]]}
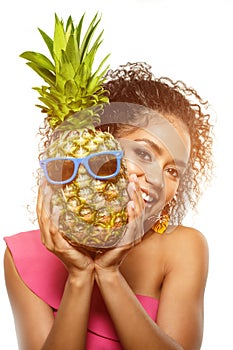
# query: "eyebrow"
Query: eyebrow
{"points": [[159, 150], [153, 145]]}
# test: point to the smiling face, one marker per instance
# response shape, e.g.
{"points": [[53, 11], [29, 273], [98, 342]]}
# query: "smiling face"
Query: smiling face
{"points": [[158, 154]]}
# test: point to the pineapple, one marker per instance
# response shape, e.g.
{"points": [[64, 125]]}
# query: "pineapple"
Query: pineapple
{"points": [[92, 211]]}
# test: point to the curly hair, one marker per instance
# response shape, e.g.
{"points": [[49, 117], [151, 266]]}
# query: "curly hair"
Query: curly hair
{"points": [[134, 83]]}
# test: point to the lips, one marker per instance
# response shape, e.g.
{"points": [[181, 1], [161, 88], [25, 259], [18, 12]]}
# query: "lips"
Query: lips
{"points": [[148, 199]]}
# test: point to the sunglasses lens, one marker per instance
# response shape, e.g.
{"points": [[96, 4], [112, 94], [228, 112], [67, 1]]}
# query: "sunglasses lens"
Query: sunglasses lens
{"points": [[60, 169], [103, 164]]}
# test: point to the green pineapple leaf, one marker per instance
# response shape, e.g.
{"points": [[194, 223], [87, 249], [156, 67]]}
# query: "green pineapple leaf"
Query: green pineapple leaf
{"points": [[88, 36], [59, 41], [72, 51], [48, 77], [73, 85], [78, 31], [39, 59], [48, 41]]}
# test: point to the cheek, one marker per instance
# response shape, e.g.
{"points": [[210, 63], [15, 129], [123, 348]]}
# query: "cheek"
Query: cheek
{"points": [[133, 168], [170, 190]]}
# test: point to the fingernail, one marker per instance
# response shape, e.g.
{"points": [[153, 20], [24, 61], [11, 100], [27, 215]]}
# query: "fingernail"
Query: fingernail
{"points": [[131, 188], [46, 189], [131, 203], [134, 177]]}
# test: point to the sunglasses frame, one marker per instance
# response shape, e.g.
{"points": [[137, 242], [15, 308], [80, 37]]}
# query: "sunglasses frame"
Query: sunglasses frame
{"points": [[84, 161]]}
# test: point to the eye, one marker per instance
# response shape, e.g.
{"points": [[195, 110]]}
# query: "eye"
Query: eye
{"points": [[143, 154], [173, 172]]}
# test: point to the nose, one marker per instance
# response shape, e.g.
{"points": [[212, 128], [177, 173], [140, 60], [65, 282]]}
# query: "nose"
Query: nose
{"points": [[154, 177], [153, 174]]}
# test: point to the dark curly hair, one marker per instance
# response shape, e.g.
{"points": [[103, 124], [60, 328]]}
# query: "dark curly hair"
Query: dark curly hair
{"points": [[134, 83]]}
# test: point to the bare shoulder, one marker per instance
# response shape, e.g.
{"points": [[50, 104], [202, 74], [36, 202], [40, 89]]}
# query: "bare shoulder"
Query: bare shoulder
{"points": [[10, 270], [178, 241], [185, 253], [184, 244], [12, 278], [186, 237], [8, 262], [17, 288], [177, 250], [27, 308]]}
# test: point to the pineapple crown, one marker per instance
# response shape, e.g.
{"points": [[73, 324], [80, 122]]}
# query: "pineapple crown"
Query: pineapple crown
{"points": [[72, 86]]}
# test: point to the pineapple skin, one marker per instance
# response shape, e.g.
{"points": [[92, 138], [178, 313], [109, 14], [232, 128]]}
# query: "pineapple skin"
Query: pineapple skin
{"points": [[92, 213]]}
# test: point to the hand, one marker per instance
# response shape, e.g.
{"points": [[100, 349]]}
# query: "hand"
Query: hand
{"points": [[75, 260], [112, 258]]}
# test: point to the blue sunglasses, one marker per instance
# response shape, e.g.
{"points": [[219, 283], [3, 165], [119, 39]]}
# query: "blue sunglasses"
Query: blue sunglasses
{"points": [[101, 166]]}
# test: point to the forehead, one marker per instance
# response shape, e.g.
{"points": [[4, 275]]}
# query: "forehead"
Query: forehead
{"points": [[168, 130]]}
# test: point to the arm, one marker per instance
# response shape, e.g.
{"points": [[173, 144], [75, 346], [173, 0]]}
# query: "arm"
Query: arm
{"points": [[33, 318], [35, 325], [70, 325], [136, 330], [181, 311], [180, 318]]}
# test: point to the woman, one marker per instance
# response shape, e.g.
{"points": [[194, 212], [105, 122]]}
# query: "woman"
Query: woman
{"points": [[148, 293]]}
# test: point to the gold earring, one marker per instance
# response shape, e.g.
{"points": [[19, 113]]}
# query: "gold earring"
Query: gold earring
{"points": [[162, 223]]}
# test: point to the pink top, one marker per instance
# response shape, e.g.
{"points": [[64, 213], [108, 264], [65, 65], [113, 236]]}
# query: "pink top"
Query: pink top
{"points": [[46, 276]]}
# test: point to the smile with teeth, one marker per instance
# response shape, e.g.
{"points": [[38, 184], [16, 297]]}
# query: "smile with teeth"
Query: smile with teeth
{"points": [[147, 198]]}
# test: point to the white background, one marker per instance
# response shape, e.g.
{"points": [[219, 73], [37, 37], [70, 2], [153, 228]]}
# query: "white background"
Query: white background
{"points": [[187, 40]]}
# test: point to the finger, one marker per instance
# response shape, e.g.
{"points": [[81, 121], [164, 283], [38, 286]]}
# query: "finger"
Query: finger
{"points": [[44, 198], [136, 194], [131, 211], [47, 196], [39, 202], [55, 216], [133, 230], [40, 196], [48, 220], [136, 210], [44, 215], [53, 238]]}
